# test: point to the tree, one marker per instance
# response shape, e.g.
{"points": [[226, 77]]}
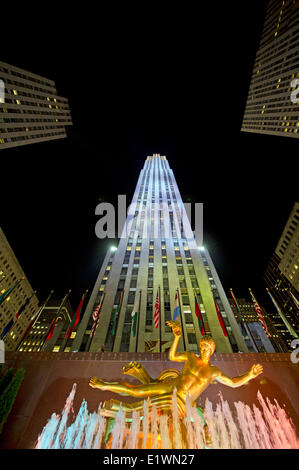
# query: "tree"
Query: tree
{"points": [[5, 380], [9, 395]]}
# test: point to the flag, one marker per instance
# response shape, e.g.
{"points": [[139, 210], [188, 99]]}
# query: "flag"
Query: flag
{"points": [[220, 319], [259, 313], [5, 294], [287, 324], [76, 317], [176, 311], [295, 300], [157, 311], [244, 333], [52, 328], [135, 313], [22, 308], [116, 315], [7, 328], [199, 316], [96, 317]]}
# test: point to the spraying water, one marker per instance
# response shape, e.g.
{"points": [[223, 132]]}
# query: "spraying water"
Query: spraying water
{"points": [[266, 427]]}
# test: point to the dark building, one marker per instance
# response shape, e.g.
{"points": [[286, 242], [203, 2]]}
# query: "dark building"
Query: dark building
{"points": [[272, 102], [30, 109], [257, 339], [282, 278], [35, 339]]}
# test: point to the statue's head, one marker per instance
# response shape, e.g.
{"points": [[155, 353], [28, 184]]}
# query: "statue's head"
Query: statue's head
{"points": [[207, 346]]}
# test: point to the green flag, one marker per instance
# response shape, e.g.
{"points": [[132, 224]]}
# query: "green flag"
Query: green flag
{"points": [[116, 316], [5, 294], [135, 312]]}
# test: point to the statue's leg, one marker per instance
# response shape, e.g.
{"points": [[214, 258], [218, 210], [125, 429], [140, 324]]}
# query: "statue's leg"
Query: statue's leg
{"points": [[200, 413], [208, 438], [110, 424], [138, 391]]}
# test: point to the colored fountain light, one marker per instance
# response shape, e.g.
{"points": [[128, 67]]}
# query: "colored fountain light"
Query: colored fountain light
{"points": [[266, 426]]}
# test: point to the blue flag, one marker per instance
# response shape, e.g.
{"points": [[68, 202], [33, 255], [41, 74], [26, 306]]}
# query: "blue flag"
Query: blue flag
{"points": [[7, 328], [176, 312], [22, 308]]}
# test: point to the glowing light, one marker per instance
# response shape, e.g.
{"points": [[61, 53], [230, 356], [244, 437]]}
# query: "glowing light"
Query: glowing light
{"points": [[113, 248]]}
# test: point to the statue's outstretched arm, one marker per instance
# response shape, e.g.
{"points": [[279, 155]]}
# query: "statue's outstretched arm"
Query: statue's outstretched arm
{"points": [[173, 355], [234, 382]]}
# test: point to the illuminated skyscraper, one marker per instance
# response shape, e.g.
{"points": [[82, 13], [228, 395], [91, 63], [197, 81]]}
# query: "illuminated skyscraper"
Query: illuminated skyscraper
{"points": [[151, 261], [272, 102]]}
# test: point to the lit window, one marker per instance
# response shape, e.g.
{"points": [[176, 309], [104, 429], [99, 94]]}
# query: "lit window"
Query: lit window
{"points": [[56, 348]]}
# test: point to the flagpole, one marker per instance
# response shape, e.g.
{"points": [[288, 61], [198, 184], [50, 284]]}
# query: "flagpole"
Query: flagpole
{"points": [[138, 320], [160, 314], [27, 301], [181, 315], [39, 312], [117, 320], [296, 302], [17, 316], [67, 339], [260, 314], [284, 319], [242, 323], [3, 297], [238, 312], [93, 332], [56, 317], [195, 293], [8, 291]]}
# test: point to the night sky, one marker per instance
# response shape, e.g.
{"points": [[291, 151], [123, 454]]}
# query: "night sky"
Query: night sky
{"points": [[172, 82]]}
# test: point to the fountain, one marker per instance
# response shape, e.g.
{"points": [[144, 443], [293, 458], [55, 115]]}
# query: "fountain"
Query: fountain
{"points": [[166, 415], [263, 427]]}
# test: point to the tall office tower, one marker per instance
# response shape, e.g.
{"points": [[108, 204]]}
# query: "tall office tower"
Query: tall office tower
{"points": [[30, 109], [36, 338], [282, 277], [273, 100], [157, 256], [21, 297], [257, 339]]}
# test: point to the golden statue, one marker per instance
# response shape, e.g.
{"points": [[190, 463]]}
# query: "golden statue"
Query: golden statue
{"points": [[195, 377]]}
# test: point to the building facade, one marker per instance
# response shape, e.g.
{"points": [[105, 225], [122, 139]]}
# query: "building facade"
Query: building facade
{"points": [[36, 338], [282, 277], [272, 105], [157, 255], [30, 110], [10, 273]]}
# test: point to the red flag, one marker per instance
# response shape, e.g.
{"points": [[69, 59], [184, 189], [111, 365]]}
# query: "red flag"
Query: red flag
{"points": [[52, 328], [96, 317], [199, 316], [220, 319], [76, 317], [259, 314], [157, 311]]}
